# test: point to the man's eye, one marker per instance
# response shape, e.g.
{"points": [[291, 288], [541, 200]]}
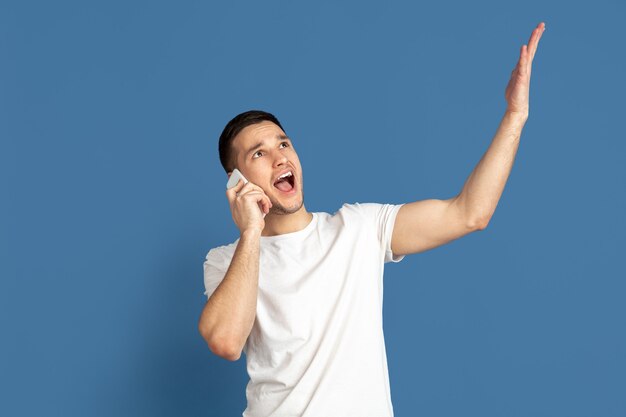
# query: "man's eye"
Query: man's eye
{"points": [[282, 143]]}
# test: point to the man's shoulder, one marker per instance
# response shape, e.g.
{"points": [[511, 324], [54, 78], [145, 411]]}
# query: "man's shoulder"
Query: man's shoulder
{"points": [[353, 214], [370, 213], [360, 209], [360, 206]]}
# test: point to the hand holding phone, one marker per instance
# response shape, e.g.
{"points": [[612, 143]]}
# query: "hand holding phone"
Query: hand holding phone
{"points": [[252, 192]]}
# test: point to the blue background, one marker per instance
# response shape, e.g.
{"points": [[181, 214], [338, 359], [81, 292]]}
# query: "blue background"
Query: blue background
{"points": [[112, 194]]}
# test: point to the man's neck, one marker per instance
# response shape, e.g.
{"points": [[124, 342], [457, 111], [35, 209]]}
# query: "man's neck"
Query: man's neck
{"points": [[276, 224]]}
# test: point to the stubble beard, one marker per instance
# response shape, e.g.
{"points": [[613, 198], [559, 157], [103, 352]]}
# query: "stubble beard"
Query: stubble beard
{"points": [[281, 210]]}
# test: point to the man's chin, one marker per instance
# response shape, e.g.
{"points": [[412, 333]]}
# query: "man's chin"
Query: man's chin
{"points": [[279, 209]]}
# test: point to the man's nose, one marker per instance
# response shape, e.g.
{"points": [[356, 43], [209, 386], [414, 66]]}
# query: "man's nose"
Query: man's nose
{"points": [[280, 160]]}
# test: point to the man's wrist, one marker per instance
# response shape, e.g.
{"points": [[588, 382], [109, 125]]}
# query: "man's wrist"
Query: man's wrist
{"points": [[516, 114], [251, 233]]}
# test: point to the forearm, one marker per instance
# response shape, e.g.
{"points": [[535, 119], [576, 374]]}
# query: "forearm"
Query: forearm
{"points": [[484, 186], [228, 316]]}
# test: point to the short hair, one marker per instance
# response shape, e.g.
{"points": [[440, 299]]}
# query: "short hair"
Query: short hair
{"points": [[232, 129]]}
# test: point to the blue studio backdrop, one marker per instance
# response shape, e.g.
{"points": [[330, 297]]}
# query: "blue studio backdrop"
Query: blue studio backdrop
{"points": [[112, 194]]}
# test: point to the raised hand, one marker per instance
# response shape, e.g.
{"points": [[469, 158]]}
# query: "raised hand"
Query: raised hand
{"points": [[248, 205], [517, 91]]}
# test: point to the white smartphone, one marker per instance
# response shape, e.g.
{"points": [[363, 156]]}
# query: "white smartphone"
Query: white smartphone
{"points": [[234, 179]]}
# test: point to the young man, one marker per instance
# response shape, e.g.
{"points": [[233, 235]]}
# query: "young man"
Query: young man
{"points": [[301, 293]]}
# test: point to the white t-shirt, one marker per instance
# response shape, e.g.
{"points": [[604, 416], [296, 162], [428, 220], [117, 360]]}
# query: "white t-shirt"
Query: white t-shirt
{"points": [[317, 347]]}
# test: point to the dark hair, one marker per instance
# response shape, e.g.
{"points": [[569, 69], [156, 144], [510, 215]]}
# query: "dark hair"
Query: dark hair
{"points": [[232, 129]]}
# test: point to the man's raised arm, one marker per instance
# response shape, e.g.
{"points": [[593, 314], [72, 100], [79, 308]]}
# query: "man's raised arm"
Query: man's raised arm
{"points": [[426, 224]]}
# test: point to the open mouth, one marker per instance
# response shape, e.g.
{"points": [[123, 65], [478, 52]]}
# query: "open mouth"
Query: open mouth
{"points": [[286, 184]]}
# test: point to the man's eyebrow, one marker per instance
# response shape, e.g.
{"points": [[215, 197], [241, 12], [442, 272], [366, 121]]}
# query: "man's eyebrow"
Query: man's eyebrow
{"points": [[258, 145]]}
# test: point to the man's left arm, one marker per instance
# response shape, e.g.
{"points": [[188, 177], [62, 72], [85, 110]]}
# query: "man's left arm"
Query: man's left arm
{"points": [[426, 224]]}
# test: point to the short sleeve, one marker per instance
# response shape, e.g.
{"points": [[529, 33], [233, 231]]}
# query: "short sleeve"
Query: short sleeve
{"points": [[214, 272], [384, 218]]}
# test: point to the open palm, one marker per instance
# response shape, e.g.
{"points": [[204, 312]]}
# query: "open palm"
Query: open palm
{"points": [[517, 91]]}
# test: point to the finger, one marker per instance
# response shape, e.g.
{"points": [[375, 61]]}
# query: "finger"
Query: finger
{"points": [[533, 35], [247, 188], [523, 60], [537, 42], [250, 187], [263, 202], [257, 195], [252, 195], [231, 193], [535, 39]]}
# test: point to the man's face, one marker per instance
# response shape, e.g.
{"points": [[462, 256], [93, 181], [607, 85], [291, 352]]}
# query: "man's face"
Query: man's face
{"points": [[263, 153]]}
